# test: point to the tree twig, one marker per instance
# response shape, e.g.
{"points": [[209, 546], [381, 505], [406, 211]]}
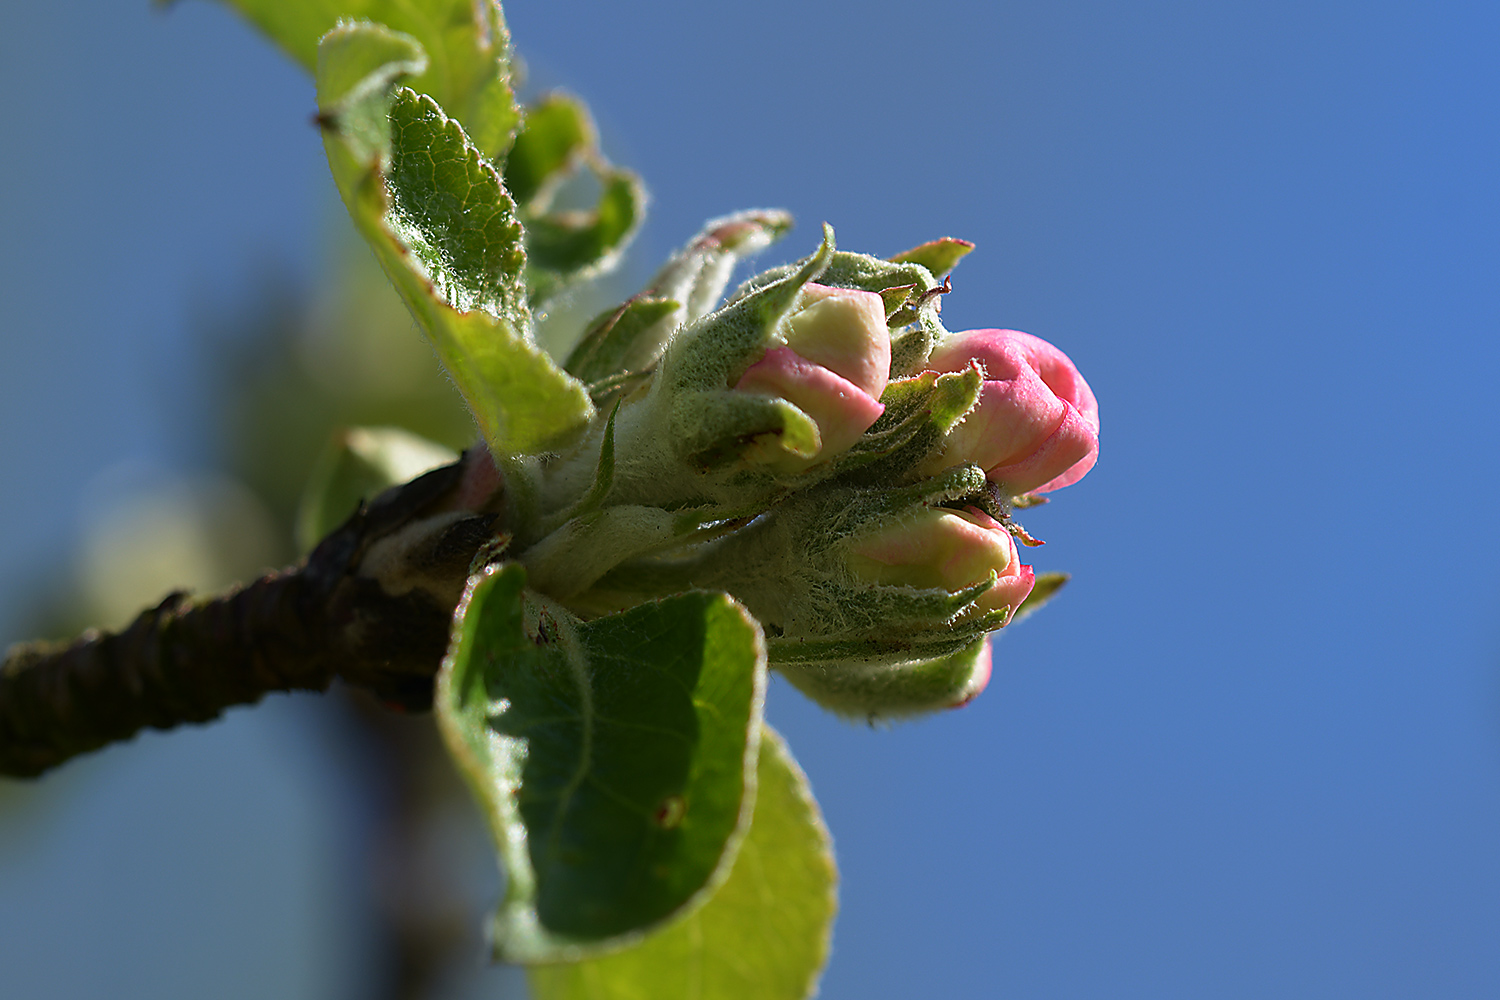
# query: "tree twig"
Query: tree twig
{"points": [[371, 605]]}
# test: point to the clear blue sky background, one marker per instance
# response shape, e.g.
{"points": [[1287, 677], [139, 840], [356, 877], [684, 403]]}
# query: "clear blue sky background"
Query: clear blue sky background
{"points": [[1253, 751]]}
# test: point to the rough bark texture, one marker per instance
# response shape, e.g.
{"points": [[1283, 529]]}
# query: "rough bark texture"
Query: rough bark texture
{"points": [[371, 605]]}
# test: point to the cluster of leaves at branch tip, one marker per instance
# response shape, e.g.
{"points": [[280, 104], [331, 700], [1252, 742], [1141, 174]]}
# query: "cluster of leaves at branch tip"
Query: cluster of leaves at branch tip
{"points": [[705, 489]]}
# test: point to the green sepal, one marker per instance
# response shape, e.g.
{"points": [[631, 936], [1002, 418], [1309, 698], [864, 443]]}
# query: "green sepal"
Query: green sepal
{"points": [[446, 233], [716, 349], [697, 274], [604, 478], [1046, 587], [919, 413], [468, 49], [790, 566], [614, 759], [629, 339], [713, 429], [911, 348], [606, 350], [851, 270], [359, 463], [918, 310], [572, 558], [916, 646], [957, 485], [893, 686], [942, 400], [874, 610], [764, 935], [895, 297], [940, 256]]}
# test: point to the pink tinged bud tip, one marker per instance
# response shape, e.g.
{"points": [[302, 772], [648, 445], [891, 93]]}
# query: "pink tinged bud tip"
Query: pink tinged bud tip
{"points": [[1036, 425], [481, 480], [950, 549], [843, 329], [833, 367], [842, 410]]}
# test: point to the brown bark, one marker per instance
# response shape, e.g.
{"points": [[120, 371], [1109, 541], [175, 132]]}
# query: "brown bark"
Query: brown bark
{"points": [[370, 605]]}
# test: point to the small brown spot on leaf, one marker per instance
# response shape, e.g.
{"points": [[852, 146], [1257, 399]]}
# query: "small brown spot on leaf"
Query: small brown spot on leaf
{"points": [[669, 814]]}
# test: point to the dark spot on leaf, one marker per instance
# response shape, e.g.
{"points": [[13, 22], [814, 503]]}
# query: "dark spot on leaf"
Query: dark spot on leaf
{"points": [[669, 814], [546, 629]]}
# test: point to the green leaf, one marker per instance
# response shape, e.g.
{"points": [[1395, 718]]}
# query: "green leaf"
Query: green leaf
{"points": [[570, 246], [556, 138], [631, 337], [466, 42], [451, 212], [357, 464], [698, 273], [445, 231], [357, 70], [763, 936], [1046, 587], [939, 256], [614, 759], [556, 133], [610, 342]]}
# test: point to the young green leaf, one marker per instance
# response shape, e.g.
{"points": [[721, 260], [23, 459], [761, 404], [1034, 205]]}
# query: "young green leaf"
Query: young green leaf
{"points": [[467, 45], [940, 256], [567, 247], [630, 338], [608, 346], [698, 273], [762, 936], [556, 140], [357, 464], [614, 759], [445, 230], [555, 135]]}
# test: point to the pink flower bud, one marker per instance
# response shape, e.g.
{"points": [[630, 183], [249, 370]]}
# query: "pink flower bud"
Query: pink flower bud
{"points": [[843, 329], [1036, 425], [842, 410], [951, 549], [833, 368]]}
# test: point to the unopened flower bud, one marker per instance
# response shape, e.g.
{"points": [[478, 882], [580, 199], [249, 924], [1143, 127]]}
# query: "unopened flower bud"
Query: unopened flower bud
{"points": [[843, 329], [952, 549], [833, 367], [1036, 425]]}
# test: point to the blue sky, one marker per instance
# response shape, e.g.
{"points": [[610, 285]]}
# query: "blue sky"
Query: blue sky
{"points": [[1254, 750]]}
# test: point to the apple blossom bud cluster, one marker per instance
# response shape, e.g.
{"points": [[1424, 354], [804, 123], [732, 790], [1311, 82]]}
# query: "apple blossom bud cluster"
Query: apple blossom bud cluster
{"points": [[824, 450]]}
